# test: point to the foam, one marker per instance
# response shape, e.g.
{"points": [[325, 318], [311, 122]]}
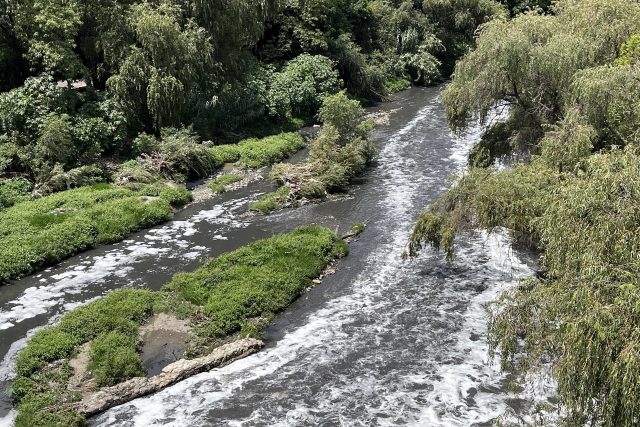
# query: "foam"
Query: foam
{"points": [[169, 241]]}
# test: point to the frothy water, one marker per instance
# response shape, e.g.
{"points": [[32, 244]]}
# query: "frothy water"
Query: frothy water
{"points": [[381, 342], [155, 243], [404, 343]]}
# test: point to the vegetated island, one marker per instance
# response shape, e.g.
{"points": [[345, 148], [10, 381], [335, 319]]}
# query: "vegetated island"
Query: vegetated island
{"points": [[92, 359]]}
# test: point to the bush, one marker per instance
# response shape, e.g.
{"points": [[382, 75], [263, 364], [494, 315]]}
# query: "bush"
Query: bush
{"points": [[341, 151], [59, 180], [183, 156], [113, 358], [145, 144], [13, 191], [299, 88]]}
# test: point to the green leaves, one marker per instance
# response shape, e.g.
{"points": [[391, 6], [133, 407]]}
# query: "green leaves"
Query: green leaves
{"points": [[299, 88]]}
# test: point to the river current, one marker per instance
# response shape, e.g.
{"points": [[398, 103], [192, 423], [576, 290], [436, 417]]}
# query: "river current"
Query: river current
{"points": [[381, 342]]}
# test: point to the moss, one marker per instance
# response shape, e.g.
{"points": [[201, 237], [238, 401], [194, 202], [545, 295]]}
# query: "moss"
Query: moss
{"points": [[271, 201], [37, 233]]}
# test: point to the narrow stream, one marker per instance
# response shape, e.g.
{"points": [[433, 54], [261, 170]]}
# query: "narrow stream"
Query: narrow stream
{"points": [[381, 342]]}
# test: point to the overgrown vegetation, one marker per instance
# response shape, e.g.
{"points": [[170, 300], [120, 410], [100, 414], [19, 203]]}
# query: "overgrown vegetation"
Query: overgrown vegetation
{"points": [[341, 151], [93, 93], [81, 84], [571, 80], [271, 201], [218, 185], [224, 296], [36, 233]]}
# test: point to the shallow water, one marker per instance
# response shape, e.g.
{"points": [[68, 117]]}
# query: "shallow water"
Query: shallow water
{"points": [[381, 342]]}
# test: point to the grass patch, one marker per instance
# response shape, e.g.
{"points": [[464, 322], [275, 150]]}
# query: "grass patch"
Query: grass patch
{"points": [[259, 279], [255, 153], [37, 233], [227, 293], [114, 358], [270, 201], [357, 228], [396, 85], [218, 185]]}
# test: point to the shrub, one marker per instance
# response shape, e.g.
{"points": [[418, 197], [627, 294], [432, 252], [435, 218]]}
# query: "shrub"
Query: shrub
{"points": [[184, 156], [113, 358], [299, 88], [13, 191], [145, 144], [341, 151]]}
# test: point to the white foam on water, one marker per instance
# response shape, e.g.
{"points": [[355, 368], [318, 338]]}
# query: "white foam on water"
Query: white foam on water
{"points": [[168, 241], [330, 333], [7, 420]]}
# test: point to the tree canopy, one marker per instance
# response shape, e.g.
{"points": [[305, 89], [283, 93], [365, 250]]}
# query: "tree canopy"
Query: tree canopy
{"points": [[570, 82]]}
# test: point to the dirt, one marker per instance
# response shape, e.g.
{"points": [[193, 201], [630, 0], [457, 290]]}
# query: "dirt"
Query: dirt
{"points": [[164, 340], [81, 379]]}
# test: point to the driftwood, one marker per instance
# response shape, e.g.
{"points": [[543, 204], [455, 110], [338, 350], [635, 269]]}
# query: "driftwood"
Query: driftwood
{"points": [[106, 398]]}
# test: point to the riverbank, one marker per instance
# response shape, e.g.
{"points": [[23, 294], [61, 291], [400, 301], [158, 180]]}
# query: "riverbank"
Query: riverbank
{"points": [[38, 233], [233, 295]]}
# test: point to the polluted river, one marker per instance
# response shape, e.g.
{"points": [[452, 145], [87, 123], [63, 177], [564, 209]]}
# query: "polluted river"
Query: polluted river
{"points": [[380, 342]]}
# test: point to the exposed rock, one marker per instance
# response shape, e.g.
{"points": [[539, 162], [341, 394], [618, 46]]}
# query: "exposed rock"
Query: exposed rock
{"points": [[94, 403]]}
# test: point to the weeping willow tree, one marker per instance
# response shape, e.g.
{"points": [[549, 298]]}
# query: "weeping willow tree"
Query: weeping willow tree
{"points": [[529, 62], [575, 73], [169, 65]]}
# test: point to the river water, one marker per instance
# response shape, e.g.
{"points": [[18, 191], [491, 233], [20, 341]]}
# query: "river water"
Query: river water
{"points": [[381, 342]]}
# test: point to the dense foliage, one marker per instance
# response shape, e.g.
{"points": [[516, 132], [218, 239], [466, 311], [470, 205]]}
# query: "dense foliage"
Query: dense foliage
{"points": [[571, 81], [224, 296], [82, 80], [340, 152]]}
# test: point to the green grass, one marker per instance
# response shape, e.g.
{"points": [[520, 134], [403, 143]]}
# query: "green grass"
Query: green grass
{"points": [[114, 358], [259, 279], [270, 201], [218, 185], [255, 153], [41, 232], [233, 293], [396, 85]]}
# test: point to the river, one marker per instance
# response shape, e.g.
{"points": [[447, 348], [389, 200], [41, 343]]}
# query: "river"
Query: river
{"points": [[381, 342]]}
